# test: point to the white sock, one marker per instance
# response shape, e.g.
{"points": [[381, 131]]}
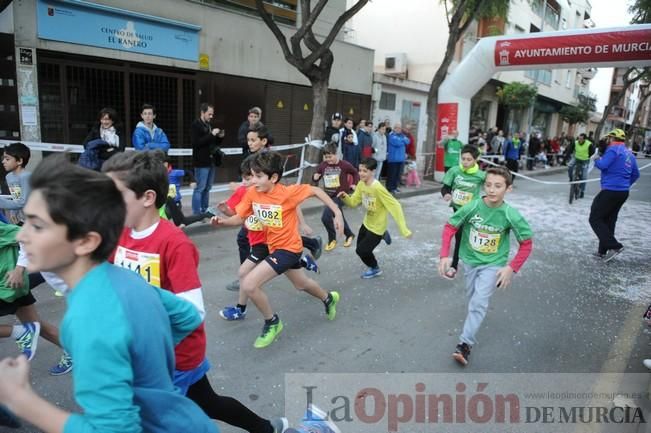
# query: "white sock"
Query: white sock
{"points": [[17, 331]]}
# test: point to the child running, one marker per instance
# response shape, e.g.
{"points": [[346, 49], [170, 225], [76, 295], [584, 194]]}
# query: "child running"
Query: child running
{"points": [[338, 176], [487, 223], [173, 207], [274, 204], [165, 257], [378, 203], [15, 159], [461, 184], [120, 331]]}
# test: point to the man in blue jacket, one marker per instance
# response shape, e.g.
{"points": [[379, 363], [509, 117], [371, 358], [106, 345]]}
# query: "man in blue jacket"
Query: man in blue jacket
{"points": [[512, 152], [397, 145], [618, 172], [148, 136]]}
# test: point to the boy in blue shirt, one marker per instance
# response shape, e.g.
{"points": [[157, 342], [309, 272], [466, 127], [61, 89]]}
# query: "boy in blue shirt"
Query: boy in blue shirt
{"points": [[120, 330]]}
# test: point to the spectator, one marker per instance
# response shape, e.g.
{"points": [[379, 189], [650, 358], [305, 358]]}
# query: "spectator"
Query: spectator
{"points": [[411, 147], [148, 136], [365, 139], [349, 148], [255, 113], [533, 150], [205, 141], [103, 141], [380, 147], [397, 144]]}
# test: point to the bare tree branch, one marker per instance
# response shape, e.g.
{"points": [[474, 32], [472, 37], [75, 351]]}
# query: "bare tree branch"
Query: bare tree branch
{"points": [[268, 20], [312, 15], [336, 28]]}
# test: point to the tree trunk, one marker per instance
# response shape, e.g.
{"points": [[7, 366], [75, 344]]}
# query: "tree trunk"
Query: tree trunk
{"points": [[320, 105], [635, 125]]}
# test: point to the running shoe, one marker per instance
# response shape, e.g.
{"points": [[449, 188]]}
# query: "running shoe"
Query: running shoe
{"points": [[461, 354], [597, 255], [7, 418], [28, 340], [610, 254], [349, 241], [233, 286], [331, 307], [211, 211], [232, 312], [387, 237], [372, 273], [279, 425], [315, 422], [331, 245], [308, 263], [270, 331], [319, 250], [63, 367]]}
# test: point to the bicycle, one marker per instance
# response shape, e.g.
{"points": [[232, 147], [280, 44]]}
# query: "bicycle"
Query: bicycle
{"points": [[575, 188]]}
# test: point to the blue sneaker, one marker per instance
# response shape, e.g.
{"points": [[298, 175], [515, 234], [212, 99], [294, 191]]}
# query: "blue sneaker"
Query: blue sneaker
{"points": [[315, 422], [232, 312], [372, 273], [309, 263], [28, 340], [7, 418], [387, 237], [63, 367]]}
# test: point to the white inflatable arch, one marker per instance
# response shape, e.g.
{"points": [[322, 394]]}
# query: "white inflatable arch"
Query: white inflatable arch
{"points": [[608, 47]]}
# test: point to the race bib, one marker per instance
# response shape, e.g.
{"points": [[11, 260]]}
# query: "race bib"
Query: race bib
{"points": [[147, 265], [252, 224], [461, 197], [331, 181], [171, 192], [369, 202], [486, 243], [16, 192], [270, 215]]}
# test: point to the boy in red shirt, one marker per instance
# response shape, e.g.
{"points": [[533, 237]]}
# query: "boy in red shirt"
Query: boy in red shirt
{"points": [[165, 257], [274, 204]]}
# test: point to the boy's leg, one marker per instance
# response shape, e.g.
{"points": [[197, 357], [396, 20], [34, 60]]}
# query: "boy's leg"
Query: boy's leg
{"points": [[327, 218], [243, 244], [480, 286], [366, 243], [302, 282], [174, 211], [252, 284], [29, 314], [226, 409], [238, 312]]}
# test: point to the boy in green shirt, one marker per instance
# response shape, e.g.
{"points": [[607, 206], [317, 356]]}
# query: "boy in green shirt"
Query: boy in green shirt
{"points": [[461, 184], [452, 148], [487, 224], [378, 203]]}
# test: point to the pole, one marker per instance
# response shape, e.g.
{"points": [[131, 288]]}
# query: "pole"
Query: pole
{"points": [[535, 81]]}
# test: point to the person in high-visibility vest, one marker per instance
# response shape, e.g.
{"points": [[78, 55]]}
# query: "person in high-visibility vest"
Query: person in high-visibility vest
{"points": [[580, 151]]}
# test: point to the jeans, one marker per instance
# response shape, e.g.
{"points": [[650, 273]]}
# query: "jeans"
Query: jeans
{"points": [[480, 286], [583, 166], [378, 170], [603, 218], [204, 177], [394, 170]]}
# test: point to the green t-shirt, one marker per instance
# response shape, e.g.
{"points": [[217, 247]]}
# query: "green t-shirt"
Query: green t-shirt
{"points": [[465, 186], [452, 151], [486, 232]]}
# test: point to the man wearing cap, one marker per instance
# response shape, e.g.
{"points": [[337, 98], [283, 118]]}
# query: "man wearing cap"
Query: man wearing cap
{"points": [[618, 172]]}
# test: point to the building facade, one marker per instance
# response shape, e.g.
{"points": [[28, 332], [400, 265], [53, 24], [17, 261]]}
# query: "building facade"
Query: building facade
{"points": [[64, 61]]}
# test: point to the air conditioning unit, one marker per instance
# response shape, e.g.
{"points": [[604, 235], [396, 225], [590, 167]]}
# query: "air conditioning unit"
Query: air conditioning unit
{"points": [[396, 64]]}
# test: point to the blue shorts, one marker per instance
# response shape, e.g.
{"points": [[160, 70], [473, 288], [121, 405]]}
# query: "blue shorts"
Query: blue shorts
{"points": [[185, 379], [282, 261], [258, 253]]}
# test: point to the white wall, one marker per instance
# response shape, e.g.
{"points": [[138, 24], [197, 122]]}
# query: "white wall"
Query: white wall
{"points": [[416, 27], [7, 19], [238, 44]]}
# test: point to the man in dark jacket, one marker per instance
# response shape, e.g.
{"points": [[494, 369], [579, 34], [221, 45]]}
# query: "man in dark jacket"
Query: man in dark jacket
{"points": [[204, 139], [534, 149]]}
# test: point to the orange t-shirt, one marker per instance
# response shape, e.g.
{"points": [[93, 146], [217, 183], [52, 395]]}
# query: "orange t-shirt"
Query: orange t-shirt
{"points": [[276, 211]]}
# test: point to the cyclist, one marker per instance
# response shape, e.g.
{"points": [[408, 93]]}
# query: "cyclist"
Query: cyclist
{"points": [[580, 152]]}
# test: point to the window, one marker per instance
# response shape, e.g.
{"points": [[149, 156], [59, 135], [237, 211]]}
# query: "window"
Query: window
{"points": [[389, 62], [388, 101], [283, 11], [542, 76], [568, 79]]}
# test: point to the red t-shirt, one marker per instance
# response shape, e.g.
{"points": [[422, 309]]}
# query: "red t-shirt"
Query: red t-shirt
{"points": [[276, 211], [254, 230], [167, 258]]}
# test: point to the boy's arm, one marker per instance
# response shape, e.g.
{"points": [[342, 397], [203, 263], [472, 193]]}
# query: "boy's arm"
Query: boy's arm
{"points": [[521, 256], [18, 203], [303, 227], [351, 200], [354, 173], [394, 208], [234, 220], [184, 315]]}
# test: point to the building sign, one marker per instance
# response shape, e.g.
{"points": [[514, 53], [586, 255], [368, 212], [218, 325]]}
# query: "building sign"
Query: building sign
{"points": [[84, 23], [204, 61], [581, 48], [26, 56]]}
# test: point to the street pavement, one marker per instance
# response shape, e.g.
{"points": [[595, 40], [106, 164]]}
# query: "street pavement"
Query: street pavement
{"points": [[565, 312]]}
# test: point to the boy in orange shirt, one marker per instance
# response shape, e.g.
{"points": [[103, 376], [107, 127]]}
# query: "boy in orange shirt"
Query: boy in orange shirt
{"points": [[274, 204]]}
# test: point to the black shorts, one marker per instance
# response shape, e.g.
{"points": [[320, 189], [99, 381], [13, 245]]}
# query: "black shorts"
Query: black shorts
{"points": [[282, 261], [258, 253], [10, 308]]}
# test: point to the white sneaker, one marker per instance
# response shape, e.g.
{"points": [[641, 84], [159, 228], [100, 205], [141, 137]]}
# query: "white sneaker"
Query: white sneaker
{"points": [[647, 363]]}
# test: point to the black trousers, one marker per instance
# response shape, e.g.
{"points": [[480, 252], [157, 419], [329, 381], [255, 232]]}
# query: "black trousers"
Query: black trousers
{"points": [[366, 243], [513, 166], [173, 210], [603, 217], [393, 175], [226, 409], [329, 224]]}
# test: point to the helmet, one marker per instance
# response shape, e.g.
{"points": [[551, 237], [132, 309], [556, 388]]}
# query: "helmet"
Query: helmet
{"points": [[617, 133]]}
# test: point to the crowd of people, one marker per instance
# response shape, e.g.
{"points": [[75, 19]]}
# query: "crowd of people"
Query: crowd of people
{"points": [[139, 355]]}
